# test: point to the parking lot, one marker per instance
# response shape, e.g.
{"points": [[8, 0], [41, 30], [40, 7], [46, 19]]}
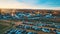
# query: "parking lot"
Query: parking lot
{"points": [[30, 23]]}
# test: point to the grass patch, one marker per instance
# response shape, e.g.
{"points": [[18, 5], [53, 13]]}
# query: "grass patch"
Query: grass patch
{"points": [[3, 28]]}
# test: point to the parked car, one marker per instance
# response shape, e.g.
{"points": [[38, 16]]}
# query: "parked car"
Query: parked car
{"points": [[1, 16], [7, 16], [38, 29], [27, 27], [33, 27], [45, 30], [31, 33], [15, 31], [48, 16], [57, 26], [38, 15], [58, 32], [20, 26], [39, 24], [27, 14]]}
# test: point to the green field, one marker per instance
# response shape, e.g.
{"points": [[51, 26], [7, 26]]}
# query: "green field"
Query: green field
{"points": [[4, 27]]}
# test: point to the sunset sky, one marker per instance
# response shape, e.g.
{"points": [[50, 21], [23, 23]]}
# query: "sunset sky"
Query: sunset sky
{"points": [[30, 4]]}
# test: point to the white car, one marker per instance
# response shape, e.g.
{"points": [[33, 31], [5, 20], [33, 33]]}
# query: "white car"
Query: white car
{"points": [[45, 30]]}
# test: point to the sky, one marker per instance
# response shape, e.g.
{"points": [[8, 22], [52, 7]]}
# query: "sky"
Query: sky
{"points": [[30, 4]]}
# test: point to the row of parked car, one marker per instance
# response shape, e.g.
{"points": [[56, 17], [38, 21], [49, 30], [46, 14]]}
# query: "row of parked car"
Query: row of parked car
{"points": [[20, 15], [19, 31], [42, 24], [6, 16], [36, 28], [29, 15]]}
